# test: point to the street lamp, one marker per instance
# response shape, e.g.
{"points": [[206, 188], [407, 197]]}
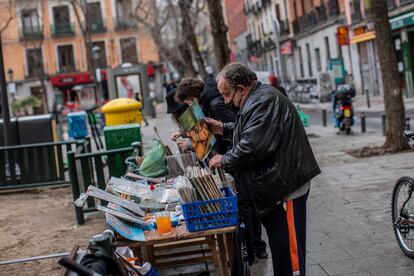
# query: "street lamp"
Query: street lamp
{"points": [[96, 54], [10, 74]]}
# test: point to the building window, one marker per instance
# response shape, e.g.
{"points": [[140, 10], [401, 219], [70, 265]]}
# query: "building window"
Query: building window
{"points": [[302, 74], [339, 47], [95, 22], [124, 9], [99, 52], [66, 58], [129, 50], [30, 22], [328, 49], [309, 60], [318, 60], [34, 61], [61, 20]]}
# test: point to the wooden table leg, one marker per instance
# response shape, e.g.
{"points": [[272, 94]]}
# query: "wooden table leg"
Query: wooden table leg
{"points": [[224, 268], [229, 238]]}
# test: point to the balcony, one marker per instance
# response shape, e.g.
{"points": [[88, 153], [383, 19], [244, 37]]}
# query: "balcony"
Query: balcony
{"points": [[405, 2], [295, 25], [97, 26], [31, 33], [391, 4], [62, 29], [284, 27], [333, 8], [321, 11], [124, 24], [310, 20], [356, 16]]}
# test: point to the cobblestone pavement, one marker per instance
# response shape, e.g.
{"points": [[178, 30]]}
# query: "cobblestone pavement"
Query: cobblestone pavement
{"points": [[349, 221]]}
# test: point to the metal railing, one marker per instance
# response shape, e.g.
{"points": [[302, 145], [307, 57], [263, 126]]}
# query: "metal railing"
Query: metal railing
{"points": [[34, 165], [122, 24], [333, 8], [404, 2], [62, 29], [97, 26], [86, 168], [31, 33]]}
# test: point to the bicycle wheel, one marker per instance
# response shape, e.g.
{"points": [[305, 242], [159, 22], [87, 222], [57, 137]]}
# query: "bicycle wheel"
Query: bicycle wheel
{"points": [[402, 230]]}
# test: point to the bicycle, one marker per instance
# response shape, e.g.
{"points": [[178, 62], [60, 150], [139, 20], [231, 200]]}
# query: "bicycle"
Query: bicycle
{"points": [[402, 209]]}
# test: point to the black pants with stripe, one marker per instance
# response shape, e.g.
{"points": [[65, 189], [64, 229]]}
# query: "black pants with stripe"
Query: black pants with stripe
{"points": [[286, 230]]}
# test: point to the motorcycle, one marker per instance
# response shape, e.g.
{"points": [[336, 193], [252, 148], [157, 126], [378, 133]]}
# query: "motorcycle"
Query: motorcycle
{"points": [[343, 108]]}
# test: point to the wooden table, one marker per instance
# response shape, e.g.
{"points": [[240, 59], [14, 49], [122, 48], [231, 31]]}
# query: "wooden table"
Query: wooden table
{"points": [[219, 241]]}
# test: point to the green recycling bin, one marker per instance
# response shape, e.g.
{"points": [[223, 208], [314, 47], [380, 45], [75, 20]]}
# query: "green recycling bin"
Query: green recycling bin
{"points": [[117, 137]]}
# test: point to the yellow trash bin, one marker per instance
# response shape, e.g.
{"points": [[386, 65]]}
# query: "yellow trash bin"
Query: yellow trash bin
{"points": [[122, 111]]}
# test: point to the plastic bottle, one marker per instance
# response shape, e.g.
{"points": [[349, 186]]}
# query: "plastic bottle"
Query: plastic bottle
{"points": [[152, 193]]}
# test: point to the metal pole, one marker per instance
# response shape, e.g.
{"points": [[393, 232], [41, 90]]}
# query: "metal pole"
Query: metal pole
{"points": [[363, 123], [383, 123], [324, 118], [4, 98], [368, 101], [276, 30]]}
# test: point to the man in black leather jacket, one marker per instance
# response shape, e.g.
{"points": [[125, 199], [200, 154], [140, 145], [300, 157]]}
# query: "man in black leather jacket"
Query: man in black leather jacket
{"points": [[272, 158]]}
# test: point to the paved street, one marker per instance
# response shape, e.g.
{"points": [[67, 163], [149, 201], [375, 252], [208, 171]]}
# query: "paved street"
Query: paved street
{"points": [[349, 222]]}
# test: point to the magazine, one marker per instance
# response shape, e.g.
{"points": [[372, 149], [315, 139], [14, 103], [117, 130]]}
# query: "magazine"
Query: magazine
{"points": [[202, 139]]}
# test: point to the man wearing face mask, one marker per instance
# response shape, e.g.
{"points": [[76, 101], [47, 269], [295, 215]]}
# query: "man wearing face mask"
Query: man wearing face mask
{"points": [[272, 161]]}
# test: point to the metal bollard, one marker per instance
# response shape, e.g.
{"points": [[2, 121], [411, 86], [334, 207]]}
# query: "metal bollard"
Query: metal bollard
{"points": [[383, 123], [407, 123], [363, 123], [324, 118]]}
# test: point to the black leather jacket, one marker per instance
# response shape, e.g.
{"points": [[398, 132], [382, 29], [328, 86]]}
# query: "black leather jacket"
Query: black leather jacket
{"points": [[271, 153]]}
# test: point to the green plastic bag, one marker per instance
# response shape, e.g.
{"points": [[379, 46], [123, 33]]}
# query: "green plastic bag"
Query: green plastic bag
{"points": [[303, 117], [154, 164]]}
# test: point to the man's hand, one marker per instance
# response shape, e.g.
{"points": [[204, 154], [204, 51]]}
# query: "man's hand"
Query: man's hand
{"points": [[215, 162], [215, 126], [182, 144], [175, 136]]}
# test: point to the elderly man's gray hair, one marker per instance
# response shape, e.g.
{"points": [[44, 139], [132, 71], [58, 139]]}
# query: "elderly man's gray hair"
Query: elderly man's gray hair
{"points": [[237, 74]]}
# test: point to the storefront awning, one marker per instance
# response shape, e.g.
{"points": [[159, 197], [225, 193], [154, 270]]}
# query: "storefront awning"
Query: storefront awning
{"points": [[71, 79], [401, 21], [363, 37]]}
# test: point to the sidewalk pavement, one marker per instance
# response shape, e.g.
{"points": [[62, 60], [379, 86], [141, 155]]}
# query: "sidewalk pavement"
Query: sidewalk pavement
{"points": [[360, 104], [349, 221]]}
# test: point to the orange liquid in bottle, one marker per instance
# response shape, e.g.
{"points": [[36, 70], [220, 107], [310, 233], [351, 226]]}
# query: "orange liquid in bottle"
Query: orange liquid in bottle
{"points": [[163, 224]]}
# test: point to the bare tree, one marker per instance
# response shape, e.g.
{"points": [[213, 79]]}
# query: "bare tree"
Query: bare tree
{"points": [[393, 99], [172, 31], [219, 32], [80, 8], [188, 34], [161, 20]]}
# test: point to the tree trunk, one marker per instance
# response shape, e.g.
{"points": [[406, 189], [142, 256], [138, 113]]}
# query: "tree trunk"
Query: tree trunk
{"points": [[187, 58], [393, 99], [189, 35], [219, 32]]}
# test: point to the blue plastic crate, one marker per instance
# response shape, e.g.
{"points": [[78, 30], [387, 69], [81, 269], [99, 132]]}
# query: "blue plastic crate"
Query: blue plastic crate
{"points": [[198, 218]]}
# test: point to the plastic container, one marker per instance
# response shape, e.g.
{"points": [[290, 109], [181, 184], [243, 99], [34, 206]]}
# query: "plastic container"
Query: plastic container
{"points": [[77, 128], [197, 218], [122, 111]]}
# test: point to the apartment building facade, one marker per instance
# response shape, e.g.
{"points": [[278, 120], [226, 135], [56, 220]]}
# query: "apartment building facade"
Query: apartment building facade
{"points": [[362, 33], [45, 44]]}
